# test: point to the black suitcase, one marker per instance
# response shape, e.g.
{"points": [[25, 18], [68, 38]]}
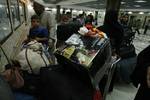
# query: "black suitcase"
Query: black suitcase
{"points": [[63, 83]]}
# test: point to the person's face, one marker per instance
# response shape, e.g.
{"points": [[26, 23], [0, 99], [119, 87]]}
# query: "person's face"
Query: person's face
{"points": [[35, 22], [125, 18], [38, 8]]}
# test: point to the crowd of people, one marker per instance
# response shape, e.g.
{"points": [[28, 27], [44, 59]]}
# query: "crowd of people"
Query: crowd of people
{"points": [[43, 30]]}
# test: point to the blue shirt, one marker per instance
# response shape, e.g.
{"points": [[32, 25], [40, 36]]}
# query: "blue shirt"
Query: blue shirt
{"points": [[39, 32]]}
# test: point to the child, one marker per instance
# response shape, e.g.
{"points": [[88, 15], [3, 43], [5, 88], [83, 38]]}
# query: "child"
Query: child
{"points": [[38, 32]]}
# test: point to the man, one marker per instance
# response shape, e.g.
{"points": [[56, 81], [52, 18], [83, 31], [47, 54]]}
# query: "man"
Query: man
{"points": [[147, 26], [47, 20], [138, 25]]}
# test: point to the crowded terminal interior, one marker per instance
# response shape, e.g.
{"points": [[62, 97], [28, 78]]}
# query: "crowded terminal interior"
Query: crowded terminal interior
{"points": [[74, 50]]}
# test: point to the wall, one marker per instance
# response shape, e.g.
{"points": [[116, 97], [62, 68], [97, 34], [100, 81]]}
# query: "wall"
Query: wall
{"points": [[13, 44]]}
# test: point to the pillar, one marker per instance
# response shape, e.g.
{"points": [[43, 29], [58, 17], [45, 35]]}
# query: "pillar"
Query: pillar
{"points": [[58, 15], [113, 5]]}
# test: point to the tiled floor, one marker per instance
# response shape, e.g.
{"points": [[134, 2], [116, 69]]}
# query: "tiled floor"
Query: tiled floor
{"points": [[123, 91]]}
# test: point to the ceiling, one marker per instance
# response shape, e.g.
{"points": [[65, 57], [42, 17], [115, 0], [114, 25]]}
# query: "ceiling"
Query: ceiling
{"points": [[101, 4]]}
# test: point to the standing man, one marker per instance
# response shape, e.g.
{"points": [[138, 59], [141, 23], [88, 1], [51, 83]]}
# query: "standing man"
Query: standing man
{"points": [[147, 26], [138, 25], [48, 21]]}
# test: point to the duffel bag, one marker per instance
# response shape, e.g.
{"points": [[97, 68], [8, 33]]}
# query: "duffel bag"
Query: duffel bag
{"points": [[127, 51]]}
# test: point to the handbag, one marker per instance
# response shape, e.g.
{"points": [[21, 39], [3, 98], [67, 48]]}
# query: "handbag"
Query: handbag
{"points": [[12, 74], [127, 51], [13, 77]]}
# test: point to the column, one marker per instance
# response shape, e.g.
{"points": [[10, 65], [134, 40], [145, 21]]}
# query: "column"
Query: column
{"points": [[58, 15], [113, 5]]}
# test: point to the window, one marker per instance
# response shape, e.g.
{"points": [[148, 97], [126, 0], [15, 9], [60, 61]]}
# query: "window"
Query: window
{"points": [[5, 26], [15, 13], [3, 59], [22, 14]]}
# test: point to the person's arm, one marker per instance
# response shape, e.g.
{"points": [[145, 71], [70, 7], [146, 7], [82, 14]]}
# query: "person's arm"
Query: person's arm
{"points": [[51, 26], [41, 39], [148, 77], [43, 36]]}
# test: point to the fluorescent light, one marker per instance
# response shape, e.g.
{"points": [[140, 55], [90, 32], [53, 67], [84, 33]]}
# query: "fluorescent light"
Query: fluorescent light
{"points": [[68, 10], [95, 4], [74, 11], [54, 9], [61, 10], [1, 6], [140, 1], [130, 12], [123, 2], [47, 8], [80, 11], [141, 12], [137, 6], [101, 4]]}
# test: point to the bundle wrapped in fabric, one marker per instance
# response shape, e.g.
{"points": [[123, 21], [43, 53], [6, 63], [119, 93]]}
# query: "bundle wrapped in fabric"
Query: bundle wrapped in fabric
{"points": [[32, 57], [92, 32]]}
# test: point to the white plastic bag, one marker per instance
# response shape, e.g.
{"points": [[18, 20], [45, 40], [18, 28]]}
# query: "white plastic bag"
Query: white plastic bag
{"points": [[35, 55]]}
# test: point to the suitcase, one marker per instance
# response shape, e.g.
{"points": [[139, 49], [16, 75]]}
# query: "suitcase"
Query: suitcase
{"points": [[61, 83]]}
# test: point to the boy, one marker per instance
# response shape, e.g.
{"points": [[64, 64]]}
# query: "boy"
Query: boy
{"points": [[38, 32]]}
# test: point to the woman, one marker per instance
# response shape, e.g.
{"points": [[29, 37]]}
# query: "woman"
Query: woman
{"points": [[113, 29], [141, 75]]}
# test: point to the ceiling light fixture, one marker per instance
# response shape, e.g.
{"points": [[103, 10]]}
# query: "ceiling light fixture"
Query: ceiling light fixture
{"points": [[137, 6], [101, 4], [130, 12], [141, 12], [140, 1], [123, 3]]}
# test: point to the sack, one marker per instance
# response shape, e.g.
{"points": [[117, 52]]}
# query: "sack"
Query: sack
{"points": [[127, 51], [13, 77], [33, 55]]}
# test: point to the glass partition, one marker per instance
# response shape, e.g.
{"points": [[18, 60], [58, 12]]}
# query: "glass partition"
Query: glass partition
{"points": [[14, 8], [5, 26], [22, 14]]}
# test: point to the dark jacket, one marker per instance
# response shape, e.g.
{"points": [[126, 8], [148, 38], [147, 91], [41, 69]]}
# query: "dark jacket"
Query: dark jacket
{"points": [[113, 29], [139, 75], [143, 61]]}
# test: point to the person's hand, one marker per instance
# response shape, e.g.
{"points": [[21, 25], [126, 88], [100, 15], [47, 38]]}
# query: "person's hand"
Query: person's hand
{"points": [[37, 39]]}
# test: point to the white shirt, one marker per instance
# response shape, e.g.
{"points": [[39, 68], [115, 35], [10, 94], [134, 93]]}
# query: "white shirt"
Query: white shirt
{"points": [[48, 21]]}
